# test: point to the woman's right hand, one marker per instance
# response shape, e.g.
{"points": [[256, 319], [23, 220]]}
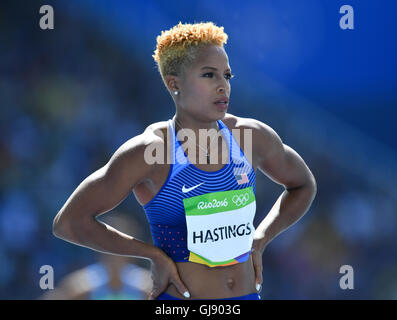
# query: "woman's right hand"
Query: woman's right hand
{"points": [[164, 272]]}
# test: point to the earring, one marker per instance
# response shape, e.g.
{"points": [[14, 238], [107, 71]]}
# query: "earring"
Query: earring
{"points": [[176, 93]]}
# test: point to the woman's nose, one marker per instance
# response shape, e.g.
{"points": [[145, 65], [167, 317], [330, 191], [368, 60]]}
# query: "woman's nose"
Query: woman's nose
{"points": [[221, 90]]}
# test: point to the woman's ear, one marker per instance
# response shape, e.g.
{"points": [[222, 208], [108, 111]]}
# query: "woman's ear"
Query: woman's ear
{"points": [[172, 83]]}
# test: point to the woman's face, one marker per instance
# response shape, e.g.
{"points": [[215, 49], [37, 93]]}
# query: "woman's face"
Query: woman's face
{"points": [[204, 82]]}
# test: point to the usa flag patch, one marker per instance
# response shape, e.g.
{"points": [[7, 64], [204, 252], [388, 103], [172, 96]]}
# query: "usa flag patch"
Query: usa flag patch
{"points": [[242, 178]]}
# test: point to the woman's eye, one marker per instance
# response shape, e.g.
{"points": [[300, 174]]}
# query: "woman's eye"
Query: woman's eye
{"points": [[229, 76]]}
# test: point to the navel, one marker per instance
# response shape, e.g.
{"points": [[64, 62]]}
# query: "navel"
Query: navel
{"points": [[230, 283]]}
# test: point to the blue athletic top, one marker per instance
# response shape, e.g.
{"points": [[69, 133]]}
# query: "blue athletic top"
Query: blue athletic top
{"points": [[166, 212]]}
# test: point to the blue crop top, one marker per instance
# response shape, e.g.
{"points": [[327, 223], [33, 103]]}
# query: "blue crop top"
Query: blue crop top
{"points": [[169, 217]]}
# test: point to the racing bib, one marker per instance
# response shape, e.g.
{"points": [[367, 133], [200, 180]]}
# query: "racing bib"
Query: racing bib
{"points": [[220, 227]]}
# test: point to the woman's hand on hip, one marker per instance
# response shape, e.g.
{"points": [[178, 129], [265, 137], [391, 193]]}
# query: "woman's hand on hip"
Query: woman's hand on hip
{"points": [[258, 265], [164, 272]]}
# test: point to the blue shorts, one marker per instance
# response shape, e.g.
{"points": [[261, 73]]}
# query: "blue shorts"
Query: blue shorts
{"points": [[251, 296]]}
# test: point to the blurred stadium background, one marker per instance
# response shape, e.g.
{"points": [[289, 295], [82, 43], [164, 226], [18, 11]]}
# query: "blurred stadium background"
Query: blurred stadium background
{"points": [[70, 96]]}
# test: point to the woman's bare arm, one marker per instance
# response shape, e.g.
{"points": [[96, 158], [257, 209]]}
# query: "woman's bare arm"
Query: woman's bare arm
{"points": [[284, 166], [99, 193], [102, 191]]}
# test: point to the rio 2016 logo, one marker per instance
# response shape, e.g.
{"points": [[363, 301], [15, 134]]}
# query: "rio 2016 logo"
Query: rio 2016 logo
{"points": [[212, 204]]}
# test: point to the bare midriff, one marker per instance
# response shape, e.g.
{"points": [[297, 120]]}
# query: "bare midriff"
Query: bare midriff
{"points": [[217, 282]]}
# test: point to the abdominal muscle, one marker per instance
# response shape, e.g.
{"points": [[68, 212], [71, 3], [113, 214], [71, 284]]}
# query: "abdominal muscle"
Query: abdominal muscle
{"points": [[205, 282]]}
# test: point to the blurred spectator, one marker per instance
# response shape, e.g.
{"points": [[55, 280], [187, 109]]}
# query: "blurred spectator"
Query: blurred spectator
{"points": [[111, 278]]}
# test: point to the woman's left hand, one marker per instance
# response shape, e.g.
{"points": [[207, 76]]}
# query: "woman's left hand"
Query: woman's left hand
{"points": [[257, 262]]}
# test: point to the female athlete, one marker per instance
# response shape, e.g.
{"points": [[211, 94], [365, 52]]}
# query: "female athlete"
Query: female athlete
{"points": [[199, 194]]}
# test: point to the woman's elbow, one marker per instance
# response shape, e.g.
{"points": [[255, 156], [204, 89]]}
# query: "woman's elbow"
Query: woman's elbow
{"points": [[313, 185], [57, 229], [60, 228]]}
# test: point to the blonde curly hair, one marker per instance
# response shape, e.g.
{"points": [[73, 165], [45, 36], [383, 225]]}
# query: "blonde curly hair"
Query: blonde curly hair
{"points": [[178, 47]]}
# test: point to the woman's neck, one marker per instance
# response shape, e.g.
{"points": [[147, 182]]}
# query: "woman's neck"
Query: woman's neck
{"points": [[186, 122]]}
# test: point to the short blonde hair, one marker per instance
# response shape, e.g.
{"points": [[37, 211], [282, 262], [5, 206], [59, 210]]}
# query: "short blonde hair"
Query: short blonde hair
{"points": [[178, 47]]}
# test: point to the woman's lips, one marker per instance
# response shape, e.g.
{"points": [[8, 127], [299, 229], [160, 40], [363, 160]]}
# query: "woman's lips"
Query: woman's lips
{"points": [[222, 106]]}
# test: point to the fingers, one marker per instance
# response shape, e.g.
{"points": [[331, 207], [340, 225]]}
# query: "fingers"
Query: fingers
{"points": [[164, 272], [177, 282], [154, 294], [257, 262]]}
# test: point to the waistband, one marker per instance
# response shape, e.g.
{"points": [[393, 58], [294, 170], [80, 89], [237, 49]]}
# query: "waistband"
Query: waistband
{"points": [[251, 296]]}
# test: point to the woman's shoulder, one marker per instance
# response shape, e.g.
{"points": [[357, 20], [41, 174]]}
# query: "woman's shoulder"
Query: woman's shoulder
{"points": [[158, 129], [261, 132], [154, 134], [235, 122], [137, 151]]}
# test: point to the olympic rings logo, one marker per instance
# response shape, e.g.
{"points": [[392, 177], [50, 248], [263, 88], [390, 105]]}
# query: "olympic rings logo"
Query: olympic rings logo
{"points": [[240, 200]]}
